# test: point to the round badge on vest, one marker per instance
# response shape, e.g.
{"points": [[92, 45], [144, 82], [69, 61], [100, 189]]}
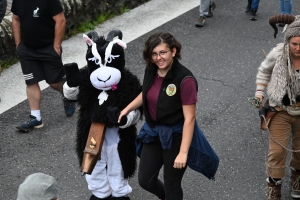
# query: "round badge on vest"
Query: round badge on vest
{"points": [[171, 90]]}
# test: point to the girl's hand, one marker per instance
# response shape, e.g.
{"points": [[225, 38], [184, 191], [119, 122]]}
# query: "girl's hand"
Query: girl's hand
{"points": [[122, 113], [180, 161]]}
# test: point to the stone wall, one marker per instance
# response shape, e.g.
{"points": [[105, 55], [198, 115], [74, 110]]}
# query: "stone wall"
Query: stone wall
{"points": [[76, 12]]}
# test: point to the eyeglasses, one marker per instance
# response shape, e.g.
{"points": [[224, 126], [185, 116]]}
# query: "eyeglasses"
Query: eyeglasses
{"points": [[160, 54]]}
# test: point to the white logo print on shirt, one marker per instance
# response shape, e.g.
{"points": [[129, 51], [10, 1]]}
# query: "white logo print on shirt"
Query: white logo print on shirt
{"points": [[35, 12]]}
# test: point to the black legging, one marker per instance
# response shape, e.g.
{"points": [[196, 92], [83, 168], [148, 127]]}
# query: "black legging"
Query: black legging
{"points": [[152, 158]]}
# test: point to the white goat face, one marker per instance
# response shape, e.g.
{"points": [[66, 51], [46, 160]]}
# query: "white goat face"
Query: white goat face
{"points": [[105, 78]]}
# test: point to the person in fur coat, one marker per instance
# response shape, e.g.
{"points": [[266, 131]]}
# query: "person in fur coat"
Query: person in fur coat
{"points": [[278, 78], [102, 88]]}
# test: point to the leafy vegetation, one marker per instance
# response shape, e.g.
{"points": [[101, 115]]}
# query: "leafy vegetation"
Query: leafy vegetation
{"points": [[90, 25], [5, 64]]}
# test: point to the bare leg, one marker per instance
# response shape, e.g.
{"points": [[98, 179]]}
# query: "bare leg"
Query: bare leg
{"points": [[58, 86], [34, 96]]}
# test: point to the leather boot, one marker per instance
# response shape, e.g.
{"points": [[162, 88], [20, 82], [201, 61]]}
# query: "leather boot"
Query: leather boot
{"points": [[295, 183], [274, 190]]}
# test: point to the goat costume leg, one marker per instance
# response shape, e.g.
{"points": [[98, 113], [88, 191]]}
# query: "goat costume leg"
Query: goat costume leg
{"points": [[97, 181], [108, 177]]}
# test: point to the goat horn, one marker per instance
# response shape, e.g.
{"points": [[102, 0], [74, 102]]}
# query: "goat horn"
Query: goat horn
{"points": [[113, 34], [282, 18]]}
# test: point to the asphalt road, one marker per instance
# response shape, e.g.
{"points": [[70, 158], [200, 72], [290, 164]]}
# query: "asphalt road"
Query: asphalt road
{"points": [[224, 57]]}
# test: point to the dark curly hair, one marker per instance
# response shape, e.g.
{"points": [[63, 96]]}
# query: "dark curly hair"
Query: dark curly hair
{"points": [[156, 39]]}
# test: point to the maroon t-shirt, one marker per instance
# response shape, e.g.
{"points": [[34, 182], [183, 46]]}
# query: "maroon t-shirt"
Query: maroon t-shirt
{"points": [[188, 94]]}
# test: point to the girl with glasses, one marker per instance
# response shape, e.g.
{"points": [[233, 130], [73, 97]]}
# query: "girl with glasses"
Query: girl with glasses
{"points": [[168, 97]]}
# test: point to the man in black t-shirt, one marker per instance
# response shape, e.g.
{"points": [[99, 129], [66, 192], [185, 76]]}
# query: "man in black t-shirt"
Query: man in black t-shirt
{"points": [[38, 28]]}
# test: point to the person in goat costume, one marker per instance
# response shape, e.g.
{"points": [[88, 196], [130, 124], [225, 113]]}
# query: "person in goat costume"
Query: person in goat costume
{"points": [[102, 89]]}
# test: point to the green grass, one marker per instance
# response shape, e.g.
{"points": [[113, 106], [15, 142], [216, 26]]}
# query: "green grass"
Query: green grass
{"points": [[90, 25], [5, 64]]}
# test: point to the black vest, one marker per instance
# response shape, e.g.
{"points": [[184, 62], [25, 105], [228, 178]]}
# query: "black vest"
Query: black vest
{"points": [[169, 107]]}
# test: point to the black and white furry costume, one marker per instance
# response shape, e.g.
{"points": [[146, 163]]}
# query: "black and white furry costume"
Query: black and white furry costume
{"points": [[97, 87]]}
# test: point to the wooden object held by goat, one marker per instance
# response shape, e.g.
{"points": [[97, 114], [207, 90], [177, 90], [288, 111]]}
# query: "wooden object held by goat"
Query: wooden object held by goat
{"points": [[93, 147]]}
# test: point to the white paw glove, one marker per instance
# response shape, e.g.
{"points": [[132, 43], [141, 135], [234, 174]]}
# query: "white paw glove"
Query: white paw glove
{"points": [[132, 118], [70, 92]]}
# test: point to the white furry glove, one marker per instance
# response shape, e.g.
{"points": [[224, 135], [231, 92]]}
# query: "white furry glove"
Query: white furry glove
{"points": [[132, 118], [70, 92]]}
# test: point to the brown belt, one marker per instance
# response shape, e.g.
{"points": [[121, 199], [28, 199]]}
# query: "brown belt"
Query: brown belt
{"points": [[278, 108]]}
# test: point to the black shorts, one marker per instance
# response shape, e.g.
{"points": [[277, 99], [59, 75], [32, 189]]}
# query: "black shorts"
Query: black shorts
{"points": [[40, 64]]}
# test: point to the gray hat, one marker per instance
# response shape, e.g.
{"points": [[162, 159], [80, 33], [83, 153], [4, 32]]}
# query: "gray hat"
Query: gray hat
{"points": [[38, 186], [292, 30]]}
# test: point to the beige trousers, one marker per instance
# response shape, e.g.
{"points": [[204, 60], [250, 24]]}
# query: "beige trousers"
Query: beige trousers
{"points": [[283, 126]]}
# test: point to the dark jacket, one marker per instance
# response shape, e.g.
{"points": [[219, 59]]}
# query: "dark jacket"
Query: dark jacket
{"points": [[169, 107], [201, 157]]}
